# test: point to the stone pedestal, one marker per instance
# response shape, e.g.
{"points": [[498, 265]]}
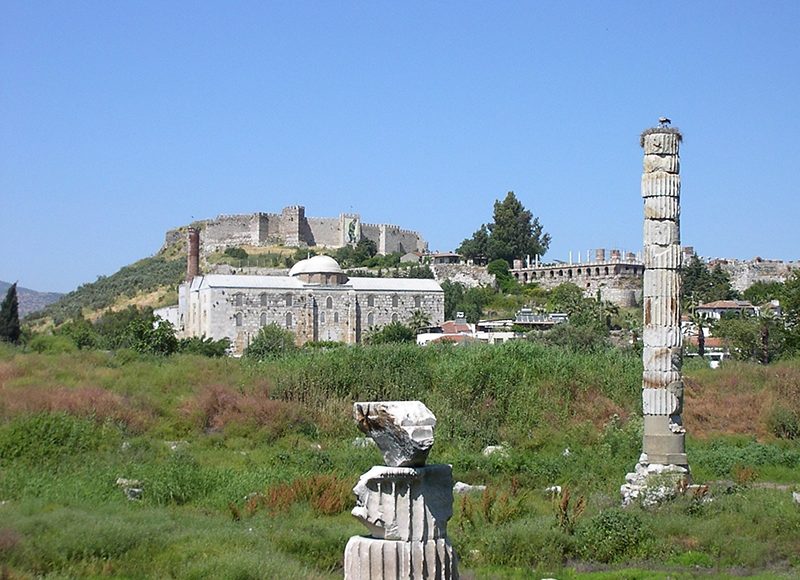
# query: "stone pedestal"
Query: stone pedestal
{"points": [[369, 558]]}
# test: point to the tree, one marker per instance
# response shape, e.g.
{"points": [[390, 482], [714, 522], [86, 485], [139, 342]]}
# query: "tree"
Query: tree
{"points": [[477, 246], [703, 285], [272, 341], [392, 332], [9, 316], [154, 336], [514, 234], [418, 320]]}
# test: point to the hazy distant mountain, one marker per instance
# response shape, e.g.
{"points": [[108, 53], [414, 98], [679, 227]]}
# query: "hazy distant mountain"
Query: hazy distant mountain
{"points": [[29, 300]]}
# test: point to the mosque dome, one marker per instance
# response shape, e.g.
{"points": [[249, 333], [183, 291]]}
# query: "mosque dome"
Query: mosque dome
{"points": [[316, 265]]}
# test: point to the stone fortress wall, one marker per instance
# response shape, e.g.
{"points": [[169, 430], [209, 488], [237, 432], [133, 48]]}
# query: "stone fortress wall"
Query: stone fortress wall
{"points": [[617, 279], [745, 273], [292, 228]]}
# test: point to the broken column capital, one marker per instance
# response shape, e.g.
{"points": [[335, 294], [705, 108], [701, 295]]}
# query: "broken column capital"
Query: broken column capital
{"points": [[402, 430]]}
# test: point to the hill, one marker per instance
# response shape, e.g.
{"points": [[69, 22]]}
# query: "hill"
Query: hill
{"points": [[30, 300], [150, 281]]}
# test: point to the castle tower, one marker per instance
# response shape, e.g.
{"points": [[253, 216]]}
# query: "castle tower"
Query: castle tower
{"points": [[292, 219], [662, 384]]}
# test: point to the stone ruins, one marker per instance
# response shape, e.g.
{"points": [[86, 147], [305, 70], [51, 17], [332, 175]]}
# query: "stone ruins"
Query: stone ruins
{"points": [[404, 504], [618, 279], [662, 466], [292, 228]]}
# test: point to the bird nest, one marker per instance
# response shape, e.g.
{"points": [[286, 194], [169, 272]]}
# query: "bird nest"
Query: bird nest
{"points": [[654, 130]]}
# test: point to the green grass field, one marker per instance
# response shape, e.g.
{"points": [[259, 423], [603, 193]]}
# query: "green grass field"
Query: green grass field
{"points": [[246, 469]]}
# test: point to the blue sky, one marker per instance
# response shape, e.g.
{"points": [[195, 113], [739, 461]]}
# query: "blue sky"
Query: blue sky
{"points": [[120, 120]]}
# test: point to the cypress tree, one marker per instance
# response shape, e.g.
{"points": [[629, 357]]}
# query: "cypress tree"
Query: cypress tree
{"points": [[9, 316]]}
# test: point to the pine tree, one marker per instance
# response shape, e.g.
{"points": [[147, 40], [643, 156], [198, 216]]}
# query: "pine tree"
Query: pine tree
{"points": [[9, 316], [514, 234]]}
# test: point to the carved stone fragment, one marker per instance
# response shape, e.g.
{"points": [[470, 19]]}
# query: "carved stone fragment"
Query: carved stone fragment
{"points": [[403, 430]]}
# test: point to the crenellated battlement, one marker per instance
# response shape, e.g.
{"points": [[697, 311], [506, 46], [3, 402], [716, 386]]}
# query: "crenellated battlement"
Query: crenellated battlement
{"points": [[291, 227]]}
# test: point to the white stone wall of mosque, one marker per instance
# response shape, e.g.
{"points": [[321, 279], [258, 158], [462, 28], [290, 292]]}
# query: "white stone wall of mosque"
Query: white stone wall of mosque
{"points": [[315, 313]]}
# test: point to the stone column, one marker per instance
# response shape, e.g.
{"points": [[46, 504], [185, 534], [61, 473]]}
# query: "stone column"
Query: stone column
{"points": [[404, 504], [662, 384]]}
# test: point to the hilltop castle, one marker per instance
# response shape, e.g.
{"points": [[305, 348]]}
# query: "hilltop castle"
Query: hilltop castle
{"points": [[292, 228]]}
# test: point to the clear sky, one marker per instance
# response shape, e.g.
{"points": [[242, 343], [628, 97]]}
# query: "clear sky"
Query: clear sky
{"points": [[120, 120]]}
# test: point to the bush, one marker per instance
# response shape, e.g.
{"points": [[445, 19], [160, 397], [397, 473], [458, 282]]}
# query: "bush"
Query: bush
{"points": [[54, 344], [45, 436], [272, 341], [236, 253], [204, 346], [784, 423], [613, 535], [180, 481], [392, 332]]}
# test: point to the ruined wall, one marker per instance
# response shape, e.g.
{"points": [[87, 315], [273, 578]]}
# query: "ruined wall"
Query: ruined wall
{"points": [[466, 274], [293, 229], [746, 273], [619, 281], [230, 230]]}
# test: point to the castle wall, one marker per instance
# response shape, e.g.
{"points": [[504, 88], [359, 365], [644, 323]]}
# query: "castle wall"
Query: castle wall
{"points": [[293, 229], [468, 275], [619, 282], [325, 232], [231, 230], [746, 273]]}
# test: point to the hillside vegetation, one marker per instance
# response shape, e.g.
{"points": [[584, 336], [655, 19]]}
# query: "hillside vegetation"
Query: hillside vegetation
{"points": [[246, 468], [144, 276]]}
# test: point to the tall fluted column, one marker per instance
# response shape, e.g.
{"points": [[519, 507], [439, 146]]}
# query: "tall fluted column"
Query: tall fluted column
{"points": [[662, 384]]}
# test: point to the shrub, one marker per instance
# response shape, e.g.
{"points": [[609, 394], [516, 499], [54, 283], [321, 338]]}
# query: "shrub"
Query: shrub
{"points": [[326, 494], [237, 253], [272, 341], [204, 346], [392, 332], [45, 436], [217, 408], [179, 481], [54, 344], [613, 535], [784, 423]]}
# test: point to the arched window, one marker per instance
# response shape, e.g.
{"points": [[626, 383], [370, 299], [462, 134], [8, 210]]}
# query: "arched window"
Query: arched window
{"points": [[288, 300], [394, 317], [569, 273], [263, 319], [370, 300], [322, 317], [336, 318], [238, 299], [238, 318], [561, 272], [288, 320], [395, 301], [606, 269], [370, 320], [417, 301], [263, 298], [329, 302]]}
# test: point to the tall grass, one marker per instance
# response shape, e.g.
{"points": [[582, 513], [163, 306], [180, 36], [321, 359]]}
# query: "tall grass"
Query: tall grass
{"points": [[246, 467]]}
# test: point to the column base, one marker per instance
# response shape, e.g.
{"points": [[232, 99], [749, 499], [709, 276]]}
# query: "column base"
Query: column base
{"points": [[654, 482], [373, 559]]}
